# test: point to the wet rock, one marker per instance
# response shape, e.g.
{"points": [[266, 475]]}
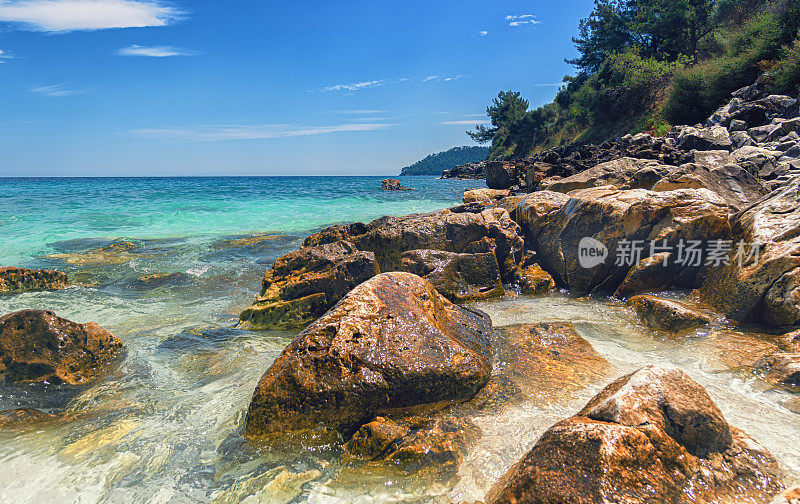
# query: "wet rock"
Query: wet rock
{"points": [[414, 444], [790, 496], [458, 277], [791, 341], [558, 227], [713, 138], [23, 418], [533, 281], [653, 436], [667, 314], [17, 280], [37, 346], [624, 173], [783, 368], [762, 283], [303, 284], [156, 280], [114, 254], [336, 233], [484, 196], [393, 343], [390, 184]]}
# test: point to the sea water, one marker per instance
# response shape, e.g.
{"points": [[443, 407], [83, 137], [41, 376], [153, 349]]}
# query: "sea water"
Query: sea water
{"points": [[165, 425]]}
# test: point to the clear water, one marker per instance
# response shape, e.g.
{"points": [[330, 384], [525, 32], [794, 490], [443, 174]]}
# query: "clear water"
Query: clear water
{"points": [[164, 426]]}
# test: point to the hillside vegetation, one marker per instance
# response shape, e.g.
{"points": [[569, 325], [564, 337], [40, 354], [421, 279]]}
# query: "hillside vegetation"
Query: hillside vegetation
{"points": [[434, 164], [645, 65]]}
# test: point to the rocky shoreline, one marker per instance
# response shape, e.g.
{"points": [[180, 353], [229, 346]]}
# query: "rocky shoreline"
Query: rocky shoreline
{"points": [[391, 362]]}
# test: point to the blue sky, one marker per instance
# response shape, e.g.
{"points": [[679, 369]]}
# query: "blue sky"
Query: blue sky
{"points": [[253, 87]]}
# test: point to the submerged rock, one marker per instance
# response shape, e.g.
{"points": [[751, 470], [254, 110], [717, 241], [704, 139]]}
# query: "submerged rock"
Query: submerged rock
{"points": [[114, 254], [653, 436], [156, 280], [762, 283], [36, 346], [783, 368], [667, 314], [303, 284], [391, 344], [620, 226], [413, 444], [17, 280]]}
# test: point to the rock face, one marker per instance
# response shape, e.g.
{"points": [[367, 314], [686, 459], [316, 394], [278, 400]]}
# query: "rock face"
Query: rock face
{"points": [[392, 343], [469, 171], [484, 196], [458, 277], [623, 173], [654, 436], [666, 314], [390, 184], [762, 287], [737, 185], [37, 346], [617, 223], [302, 285], [16, 280], [704, 139]]}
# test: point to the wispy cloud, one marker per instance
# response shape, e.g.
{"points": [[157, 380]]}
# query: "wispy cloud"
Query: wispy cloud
{"points": [[4, 56], [549, 84], [360, 111], [55, 91], [483, 33], [355, 86], [439, 78], [463, 123], [214, 133], [70, 15], [523, 19], [154, 51]]}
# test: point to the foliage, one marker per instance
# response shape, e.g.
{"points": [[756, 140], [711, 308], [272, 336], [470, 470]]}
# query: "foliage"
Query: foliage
{"points": [[786, 74], [435, 164]]}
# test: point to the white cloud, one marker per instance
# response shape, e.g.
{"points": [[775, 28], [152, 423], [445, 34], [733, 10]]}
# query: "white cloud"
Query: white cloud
{"points": [[355, 86], [55, 91], [484, 33], [463, 123], [438, 78], [211, 133], [361, 111], [154, 51], [550, 84], [520, 20], [430, 78], [4, 56], [70, 15]]}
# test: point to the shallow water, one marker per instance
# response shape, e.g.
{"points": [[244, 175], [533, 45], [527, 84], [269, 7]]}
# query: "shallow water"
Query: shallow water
{"points": [[164, 426]]}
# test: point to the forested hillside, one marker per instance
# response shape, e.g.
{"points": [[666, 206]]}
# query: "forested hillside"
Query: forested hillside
{"points": [[645, 65], [434, 164]]}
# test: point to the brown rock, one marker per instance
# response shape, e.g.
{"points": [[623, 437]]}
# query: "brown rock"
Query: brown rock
{"points": [[116, 253], [784, 368], [390, 184], [737, 186], [414, 444], [156, 280], [23, 417], [37, 346], [303, 284], [623, 173], [667, 314], [500, 174], [653, 436], [16, 280], [765, 288], [458, 277], [554, 225], [790, 496], [534, 280], [391, 344], [484, 196]]}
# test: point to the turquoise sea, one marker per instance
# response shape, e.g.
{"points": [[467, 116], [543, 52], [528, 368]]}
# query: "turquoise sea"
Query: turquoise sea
{"points": [[165, 425]]}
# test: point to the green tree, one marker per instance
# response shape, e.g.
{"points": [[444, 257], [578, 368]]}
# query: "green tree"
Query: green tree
{"points": [[505, 112]]}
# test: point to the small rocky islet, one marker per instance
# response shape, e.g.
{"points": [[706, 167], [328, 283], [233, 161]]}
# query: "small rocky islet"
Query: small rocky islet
{"points": [[392, 361]]}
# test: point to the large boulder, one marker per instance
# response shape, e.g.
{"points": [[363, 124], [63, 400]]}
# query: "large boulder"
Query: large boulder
{"points": [[16, 280], [393, 343], [38, 346], [500, 175], [762, 283], [654, 436], [458, 277], [302, 285], [713, 138], [448, 230], [738, 186], [667, 314], [623, 173], [617, 227], [484, 196], [391, 184]]}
